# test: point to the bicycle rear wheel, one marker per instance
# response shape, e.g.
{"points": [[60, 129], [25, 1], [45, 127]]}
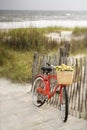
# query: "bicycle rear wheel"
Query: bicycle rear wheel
{"points": [[38, 98], [64, 105]]}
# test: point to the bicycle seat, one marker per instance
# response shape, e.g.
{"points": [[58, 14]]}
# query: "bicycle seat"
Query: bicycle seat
{"points": [[46, 69]]}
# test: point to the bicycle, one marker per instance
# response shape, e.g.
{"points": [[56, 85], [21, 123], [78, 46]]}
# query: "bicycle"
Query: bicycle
{"points": [[41, 90]]}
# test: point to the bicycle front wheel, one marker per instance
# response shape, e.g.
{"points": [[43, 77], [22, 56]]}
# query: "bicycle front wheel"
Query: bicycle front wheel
{"points": [[38, 98], [64, 105]]}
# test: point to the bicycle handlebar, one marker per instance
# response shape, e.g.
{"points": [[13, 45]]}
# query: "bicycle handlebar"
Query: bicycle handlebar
{"points": [[53, 66]]}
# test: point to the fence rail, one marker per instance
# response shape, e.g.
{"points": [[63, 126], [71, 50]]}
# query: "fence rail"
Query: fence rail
{"points": [[77, 92]]}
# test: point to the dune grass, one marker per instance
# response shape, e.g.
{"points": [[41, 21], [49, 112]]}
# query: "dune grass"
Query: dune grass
{"points": [[16, 65], [17, 47], [26, 39], [79, 45], [79, 31]]}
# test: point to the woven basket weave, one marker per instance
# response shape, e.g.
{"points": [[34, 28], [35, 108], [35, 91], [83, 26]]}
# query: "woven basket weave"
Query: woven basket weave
{"points": [[65, 77]]}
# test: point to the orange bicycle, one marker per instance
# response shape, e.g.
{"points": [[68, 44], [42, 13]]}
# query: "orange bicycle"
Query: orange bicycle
{"points": [[41, 90]]}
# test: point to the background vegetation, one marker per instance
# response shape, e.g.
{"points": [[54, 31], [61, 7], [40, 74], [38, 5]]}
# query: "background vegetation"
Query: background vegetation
{"points": [[17, 47]]}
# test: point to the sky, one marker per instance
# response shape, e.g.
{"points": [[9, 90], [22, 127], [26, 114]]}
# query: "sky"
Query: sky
{"points": [[43, 4]]}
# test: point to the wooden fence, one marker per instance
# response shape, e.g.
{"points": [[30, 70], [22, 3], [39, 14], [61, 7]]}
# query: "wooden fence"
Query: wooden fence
{"points": [[77, 92]]}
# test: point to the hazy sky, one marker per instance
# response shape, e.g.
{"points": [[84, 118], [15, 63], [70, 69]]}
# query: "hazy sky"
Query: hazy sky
{"points": [[44, 4]]}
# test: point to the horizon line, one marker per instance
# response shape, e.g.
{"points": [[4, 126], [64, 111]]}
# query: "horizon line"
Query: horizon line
{"points": [[38, 10]]}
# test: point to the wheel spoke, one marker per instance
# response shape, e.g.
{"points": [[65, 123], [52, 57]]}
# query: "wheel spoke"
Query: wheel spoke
{"points": [[38, 98]]}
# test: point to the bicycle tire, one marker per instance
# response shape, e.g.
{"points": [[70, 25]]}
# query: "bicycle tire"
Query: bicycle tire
{"points": [[38, 98], [64, 105]]}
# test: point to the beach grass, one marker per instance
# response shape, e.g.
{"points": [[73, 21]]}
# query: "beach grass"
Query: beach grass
{"points": [[16, 65], [17, 47], [79, 31], [26, 39], [79, 43]]}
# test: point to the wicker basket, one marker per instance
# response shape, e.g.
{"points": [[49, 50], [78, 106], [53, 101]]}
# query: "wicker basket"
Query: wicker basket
{"points": [[65, 77]]}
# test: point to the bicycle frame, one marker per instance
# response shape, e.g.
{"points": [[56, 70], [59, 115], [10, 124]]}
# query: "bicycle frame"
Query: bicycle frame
{"points": [[46, 91]]}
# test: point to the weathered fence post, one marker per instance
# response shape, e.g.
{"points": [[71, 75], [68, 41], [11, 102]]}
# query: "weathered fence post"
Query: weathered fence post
{"points": [[35, 65], [85, 90], [64, 53]]}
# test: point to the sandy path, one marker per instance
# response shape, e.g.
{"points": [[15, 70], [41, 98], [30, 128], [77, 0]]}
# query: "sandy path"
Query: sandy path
{"points": [[18, 113]]}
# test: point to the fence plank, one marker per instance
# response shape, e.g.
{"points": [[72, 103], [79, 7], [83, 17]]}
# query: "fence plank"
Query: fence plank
{"points": [[85, 93], [35, 65]]}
